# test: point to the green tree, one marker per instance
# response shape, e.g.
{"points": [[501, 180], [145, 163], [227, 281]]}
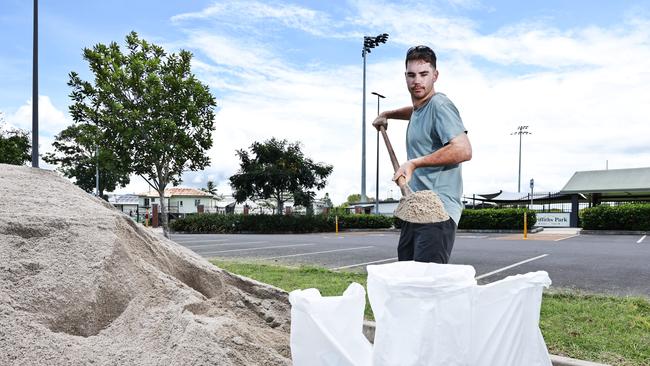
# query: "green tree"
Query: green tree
{"points": [[212, 189], [356, 198], [278, 170], [80, 153], [15, 147], [152, 111]]}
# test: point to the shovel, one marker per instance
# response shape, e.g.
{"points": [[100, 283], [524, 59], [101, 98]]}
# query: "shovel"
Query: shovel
{"points": [[422, 207]]}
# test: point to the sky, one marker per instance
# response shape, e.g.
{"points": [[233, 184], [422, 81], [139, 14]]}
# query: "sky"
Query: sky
{"points": [[576, 72]]}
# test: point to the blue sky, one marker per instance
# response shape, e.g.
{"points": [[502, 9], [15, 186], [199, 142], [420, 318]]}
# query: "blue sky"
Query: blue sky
{"points": [[576, 72]]}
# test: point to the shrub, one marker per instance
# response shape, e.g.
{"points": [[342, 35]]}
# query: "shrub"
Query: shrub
{"points": [[624, 217], [219, 223], [496, 218]]}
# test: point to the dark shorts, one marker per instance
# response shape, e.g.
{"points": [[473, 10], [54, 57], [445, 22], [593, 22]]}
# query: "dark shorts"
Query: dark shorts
{"points": [[427, 242]]}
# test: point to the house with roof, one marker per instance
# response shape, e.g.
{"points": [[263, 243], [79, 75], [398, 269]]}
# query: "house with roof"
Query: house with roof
{"points": [[179, 200]]}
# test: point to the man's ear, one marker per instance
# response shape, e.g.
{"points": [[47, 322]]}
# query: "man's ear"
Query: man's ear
{"points": [[435, 74]]}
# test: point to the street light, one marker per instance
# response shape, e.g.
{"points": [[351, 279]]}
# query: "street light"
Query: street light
{"points": [[521, 130], [368, 44], [377, 176]]}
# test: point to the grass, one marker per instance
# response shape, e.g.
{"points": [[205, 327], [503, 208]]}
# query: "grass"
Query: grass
{"points": [[612, 330]]}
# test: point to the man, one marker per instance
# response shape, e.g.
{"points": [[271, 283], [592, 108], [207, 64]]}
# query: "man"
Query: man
{"points": [[436, 144]]}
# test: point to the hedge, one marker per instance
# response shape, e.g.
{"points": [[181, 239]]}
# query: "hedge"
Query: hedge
{"points": [[219, 223], [496, 218], [624, 217]]}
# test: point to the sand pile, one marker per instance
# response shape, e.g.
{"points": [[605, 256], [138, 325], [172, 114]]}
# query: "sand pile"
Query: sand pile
{"points": [[81, 284], [421, 207]]}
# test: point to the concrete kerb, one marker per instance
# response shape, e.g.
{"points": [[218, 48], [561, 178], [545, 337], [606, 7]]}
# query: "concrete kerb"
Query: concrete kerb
{"points": [[369, 332]]}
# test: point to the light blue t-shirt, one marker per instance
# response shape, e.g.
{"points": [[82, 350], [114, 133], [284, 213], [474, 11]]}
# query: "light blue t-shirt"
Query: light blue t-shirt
{"points": [[431, 127]]}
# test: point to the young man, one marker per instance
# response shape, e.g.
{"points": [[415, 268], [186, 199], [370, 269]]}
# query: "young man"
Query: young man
{"points": [[436, 144]]}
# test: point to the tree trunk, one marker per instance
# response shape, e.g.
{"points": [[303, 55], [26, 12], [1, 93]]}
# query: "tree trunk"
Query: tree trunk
{"points": [[163, 212], [280, 207]]}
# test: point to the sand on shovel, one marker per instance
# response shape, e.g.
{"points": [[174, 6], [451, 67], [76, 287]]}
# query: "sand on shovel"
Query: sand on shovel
{"points": [[81, 283], [421, 207]]}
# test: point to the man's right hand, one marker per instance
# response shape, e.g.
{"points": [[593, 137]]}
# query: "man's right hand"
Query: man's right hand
{"points": [[381, 120]]}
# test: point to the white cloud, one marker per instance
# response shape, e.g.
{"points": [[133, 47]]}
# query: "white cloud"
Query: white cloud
{"points": [[50, 119]]}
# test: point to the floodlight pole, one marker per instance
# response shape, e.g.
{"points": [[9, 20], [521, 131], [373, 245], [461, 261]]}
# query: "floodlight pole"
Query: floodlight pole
{"points": [[379, 96], [35, 89], [368, 44]]}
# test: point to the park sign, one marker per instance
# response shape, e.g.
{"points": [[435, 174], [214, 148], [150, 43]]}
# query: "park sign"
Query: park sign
{"points": [[553, 219]]}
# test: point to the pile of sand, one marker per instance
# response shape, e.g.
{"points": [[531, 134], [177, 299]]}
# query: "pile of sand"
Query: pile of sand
{"points": [[421, 207], [80, 283]]}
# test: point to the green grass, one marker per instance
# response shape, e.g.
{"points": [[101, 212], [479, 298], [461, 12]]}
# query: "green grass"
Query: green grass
{"points": [[612, 330]]}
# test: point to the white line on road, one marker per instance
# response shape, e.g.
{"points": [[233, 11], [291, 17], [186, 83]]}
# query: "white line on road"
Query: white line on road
{"points": [[326, 251], [241, 250], [640, 240], [472, 236], [510, 266], [363, 264], [219, 244], [200, 241], [567, 237]]}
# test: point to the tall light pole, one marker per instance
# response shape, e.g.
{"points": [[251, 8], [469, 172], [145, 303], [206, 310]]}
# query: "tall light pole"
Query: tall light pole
{"points": [[521, 130], [368, 44], [379, 96], [35, 89]]}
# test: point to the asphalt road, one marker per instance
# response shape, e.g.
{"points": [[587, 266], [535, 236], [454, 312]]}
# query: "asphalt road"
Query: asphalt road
{"points": [[611, 264]]}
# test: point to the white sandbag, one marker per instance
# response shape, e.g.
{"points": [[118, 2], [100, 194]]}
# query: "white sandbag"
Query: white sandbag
{"points": [[505, 322], [328, 331], [422, 313]]}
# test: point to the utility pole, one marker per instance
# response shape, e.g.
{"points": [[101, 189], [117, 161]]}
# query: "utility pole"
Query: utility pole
{"points": [[35, 89], [521, 130]]}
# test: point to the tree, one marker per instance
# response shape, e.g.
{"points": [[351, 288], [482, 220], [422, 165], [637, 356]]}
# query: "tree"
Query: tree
{"points": [[151, 110], [356, 198], [15, 147], [212, 189], [278, 169], [81, 153]]}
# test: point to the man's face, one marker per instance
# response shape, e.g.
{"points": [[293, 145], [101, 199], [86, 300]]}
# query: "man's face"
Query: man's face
{"points": [[420, 76]]}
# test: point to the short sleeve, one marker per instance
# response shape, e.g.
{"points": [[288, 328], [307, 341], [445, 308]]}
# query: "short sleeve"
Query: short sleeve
{"points": [[448, 123]]}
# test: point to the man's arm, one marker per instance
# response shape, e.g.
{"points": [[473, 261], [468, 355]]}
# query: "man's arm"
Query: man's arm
{"points": [[401, 113], [456, 151]]}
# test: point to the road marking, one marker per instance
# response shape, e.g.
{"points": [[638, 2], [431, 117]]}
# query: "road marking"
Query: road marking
{"points": [[472, 236], [241, 250], [510, 266], [363, 264], [325, 251], [568, 237], [640, 240], [200, 241], [229, 243]]}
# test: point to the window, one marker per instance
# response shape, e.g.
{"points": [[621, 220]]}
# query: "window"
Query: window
{"points": [[146, 202], [197, 202], [153, 200], [180, 203]]}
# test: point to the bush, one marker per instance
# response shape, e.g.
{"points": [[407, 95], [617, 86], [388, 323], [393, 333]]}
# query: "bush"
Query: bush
{"points": [[496, 218], [219, 223], [624, 217]]}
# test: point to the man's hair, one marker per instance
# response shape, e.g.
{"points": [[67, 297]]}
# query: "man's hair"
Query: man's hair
{"points": [[423, 53]]}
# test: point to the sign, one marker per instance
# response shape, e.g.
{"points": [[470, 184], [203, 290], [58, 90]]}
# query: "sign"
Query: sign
{"points": [[553, 219]]}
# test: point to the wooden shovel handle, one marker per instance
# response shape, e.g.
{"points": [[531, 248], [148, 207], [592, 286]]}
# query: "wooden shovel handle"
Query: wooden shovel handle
{"points": [[401, 181]]}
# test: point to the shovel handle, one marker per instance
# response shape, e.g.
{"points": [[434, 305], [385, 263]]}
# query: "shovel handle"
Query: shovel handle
{"points": [[401, 181]]}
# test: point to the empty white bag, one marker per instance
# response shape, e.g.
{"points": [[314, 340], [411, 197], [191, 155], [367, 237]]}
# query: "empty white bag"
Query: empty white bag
{"points": [[422, 313], [328, 331]]}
